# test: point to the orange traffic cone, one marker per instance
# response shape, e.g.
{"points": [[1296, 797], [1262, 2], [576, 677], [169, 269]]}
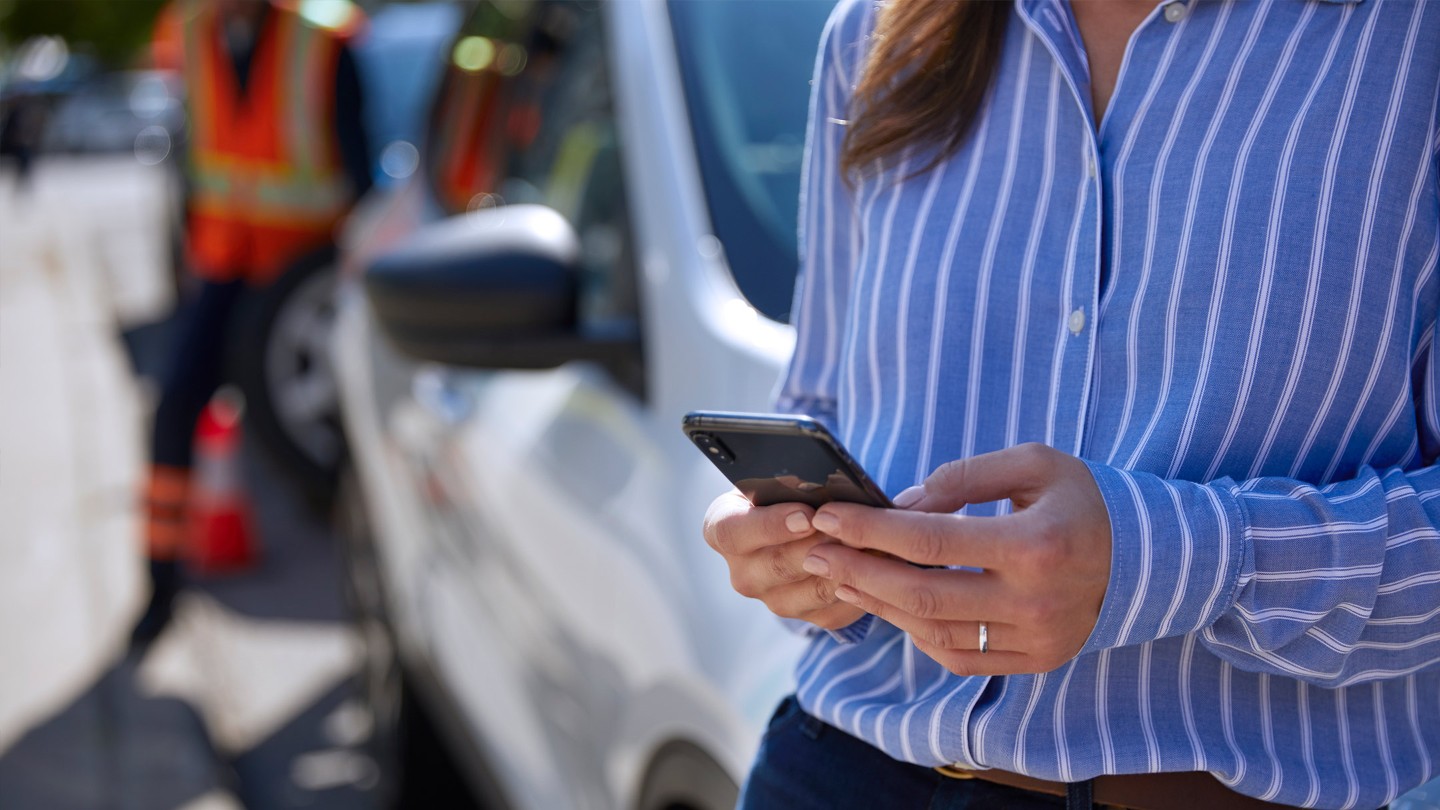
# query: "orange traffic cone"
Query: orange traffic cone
{"points": [[222, 539]]}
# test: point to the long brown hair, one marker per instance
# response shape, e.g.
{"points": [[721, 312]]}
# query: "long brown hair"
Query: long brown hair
{"points": [[929, 68]]}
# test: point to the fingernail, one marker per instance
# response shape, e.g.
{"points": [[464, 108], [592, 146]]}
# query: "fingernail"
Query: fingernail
{"points": [[845, 593], [910, 496], [816, 566], [797, 522], [825, 522]]}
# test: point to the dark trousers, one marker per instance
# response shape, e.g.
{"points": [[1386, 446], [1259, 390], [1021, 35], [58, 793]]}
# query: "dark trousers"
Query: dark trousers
{"points": [[804, 764], [197, 368]]}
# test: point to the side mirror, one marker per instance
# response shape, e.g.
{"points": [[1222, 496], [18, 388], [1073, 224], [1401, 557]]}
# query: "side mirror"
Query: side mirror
{"points": [[497, 288]]}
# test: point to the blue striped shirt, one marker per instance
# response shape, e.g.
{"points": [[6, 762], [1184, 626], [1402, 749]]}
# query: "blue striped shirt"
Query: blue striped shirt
{"points": [[1225, 302]]}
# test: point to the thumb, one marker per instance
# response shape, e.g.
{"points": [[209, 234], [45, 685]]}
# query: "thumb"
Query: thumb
{"points": [[1016, 473]]}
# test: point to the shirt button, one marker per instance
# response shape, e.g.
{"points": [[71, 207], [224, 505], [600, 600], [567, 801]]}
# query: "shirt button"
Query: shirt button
{"points": [[1090, 165], [1077, 321], [1174, 12]]}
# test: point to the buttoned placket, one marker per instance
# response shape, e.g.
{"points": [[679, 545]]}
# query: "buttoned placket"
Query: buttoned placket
{"points": [[1052, 23]]}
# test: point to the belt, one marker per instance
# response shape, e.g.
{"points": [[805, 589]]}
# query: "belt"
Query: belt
{"points": [[1188, 790]]}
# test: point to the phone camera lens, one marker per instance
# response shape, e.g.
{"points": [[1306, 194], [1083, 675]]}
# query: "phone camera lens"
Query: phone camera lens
{"points": [[713, 448]]}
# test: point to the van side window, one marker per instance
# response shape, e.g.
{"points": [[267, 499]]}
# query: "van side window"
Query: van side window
{"points": [[525, 115], [467, 145], [566, 152]]}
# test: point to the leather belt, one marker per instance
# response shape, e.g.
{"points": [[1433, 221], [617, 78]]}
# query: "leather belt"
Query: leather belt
{"points": [[1189, 790]]}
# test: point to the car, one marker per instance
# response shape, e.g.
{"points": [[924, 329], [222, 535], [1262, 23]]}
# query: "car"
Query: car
{"points": [[601, 238], [137, 111]]}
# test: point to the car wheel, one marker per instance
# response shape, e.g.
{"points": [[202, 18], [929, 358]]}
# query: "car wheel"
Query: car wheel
{"points": [[282, 364], [684, 777], [415, 769]]}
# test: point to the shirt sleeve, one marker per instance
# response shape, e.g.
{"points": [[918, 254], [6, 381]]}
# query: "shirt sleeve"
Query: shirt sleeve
{"points": [[828, 244], [828, 236], [1333, 585]]}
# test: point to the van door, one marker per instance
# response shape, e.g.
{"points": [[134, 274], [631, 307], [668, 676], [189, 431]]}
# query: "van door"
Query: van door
{"points": [[553, 582]]}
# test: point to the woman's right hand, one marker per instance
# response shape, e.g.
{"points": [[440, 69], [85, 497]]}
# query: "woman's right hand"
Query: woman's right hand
{"points": [[764, 547]]}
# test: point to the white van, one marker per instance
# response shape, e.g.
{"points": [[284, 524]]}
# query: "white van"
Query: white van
{"points": [[600, 239]]}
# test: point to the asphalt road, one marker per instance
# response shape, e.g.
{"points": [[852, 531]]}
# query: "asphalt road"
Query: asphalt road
{"points": [[248, 699]]}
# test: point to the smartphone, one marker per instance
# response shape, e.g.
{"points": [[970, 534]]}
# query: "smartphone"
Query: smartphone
{"points": [[778, 458]]}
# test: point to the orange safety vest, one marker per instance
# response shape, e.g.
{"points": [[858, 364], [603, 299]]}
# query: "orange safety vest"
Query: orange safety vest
{"points": [[267, 183]]}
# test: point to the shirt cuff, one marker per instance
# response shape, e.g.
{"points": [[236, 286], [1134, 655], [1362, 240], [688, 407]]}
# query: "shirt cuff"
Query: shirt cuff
{"points": [[852, 633], [1178, 550]]}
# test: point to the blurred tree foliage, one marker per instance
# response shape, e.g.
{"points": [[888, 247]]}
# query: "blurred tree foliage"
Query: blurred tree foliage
{"points": [[113, 30]]}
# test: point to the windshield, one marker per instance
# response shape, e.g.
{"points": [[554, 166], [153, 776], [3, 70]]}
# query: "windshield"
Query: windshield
{"points": [[746, 71]]}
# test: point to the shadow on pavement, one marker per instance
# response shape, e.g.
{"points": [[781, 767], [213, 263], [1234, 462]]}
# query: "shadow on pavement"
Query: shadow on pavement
{"points": [[115, 748], [307, 764], [112, 749]]}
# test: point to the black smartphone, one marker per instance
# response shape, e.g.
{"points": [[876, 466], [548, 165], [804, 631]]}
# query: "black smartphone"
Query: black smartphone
{"points": [[778, 458]]}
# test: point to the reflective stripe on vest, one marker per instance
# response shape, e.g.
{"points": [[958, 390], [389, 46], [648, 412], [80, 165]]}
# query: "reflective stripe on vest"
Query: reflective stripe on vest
{"points": [[220, 185]]}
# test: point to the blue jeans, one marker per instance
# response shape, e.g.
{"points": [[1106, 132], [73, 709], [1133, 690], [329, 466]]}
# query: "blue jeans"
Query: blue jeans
{"points": [[804, 764]]}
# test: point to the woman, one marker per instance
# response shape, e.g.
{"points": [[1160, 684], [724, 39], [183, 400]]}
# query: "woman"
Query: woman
{"points": [[1132, 309]]}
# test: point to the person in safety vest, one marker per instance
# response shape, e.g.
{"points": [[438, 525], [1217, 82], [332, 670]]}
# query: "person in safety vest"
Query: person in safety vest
{"points": [[277, 157]]}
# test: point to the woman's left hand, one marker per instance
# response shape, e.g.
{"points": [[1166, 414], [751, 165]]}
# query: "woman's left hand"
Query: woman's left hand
{"points": [[1045, 566]]}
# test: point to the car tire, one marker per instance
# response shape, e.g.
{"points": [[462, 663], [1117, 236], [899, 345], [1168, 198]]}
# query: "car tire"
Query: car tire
{"points": [[684, 777], [415, 769], [281, 360]]}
